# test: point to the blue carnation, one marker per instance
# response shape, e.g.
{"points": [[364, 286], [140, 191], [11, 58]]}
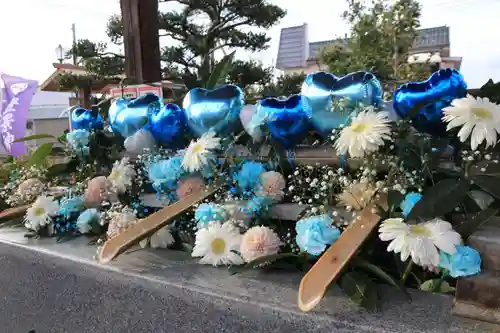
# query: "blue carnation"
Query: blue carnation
{"points": [[249, 175], [315, 233], [79, 141], [71, 206], [464, 262], [164, 174], [409, 202], [257, 204], [87, 219], [206, 213]]}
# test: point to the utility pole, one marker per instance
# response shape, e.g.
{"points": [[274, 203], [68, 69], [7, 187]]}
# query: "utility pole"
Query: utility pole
{"points": [[73, 29], [141, 40]]}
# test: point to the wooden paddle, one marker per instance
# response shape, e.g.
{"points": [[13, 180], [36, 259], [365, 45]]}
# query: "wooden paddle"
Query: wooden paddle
{"points": [[146, 227], [11, 213], [328, 267]]}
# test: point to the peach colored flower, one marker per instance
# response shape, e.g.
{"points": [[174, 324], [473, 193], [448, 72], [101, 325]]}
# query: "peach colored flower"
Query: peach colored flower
{"points": [[272, 185], [258, 242], [189, 186], [98, 190], [30, 189]]}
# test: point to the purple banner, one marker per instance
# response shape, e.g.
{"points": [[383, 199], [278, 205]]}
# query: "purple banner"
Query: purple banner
{"points": [[15, 98]]}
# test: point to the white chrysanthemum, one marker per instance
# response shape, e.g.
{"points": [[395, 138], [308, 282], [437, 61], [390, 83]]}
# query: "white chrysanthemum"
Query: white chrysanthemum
{"points": [[420, 241], [259, 242], [365, 134], [216, 244], [41, 212], [121, 175], [161, 239], [199, 152], [30, 189], [479, 119]]}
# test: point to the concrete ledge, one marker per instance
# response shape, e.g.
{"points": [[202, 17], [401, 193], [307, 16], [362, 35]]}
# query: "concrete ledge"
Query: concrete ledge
{"points": [[267, 299]]}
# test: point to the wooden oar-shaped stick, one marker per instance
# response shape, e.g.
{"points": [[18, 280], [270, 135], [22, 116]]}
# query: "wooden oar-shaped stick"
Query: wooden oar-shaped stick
{"points": [[146, 227], [328, 267]]}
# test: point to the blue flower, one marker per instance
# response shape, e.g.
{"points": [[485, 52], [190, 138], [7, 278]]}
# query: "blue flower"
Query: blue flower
{"points": [[164, 174], [87, 219], [257, 204], [79, 141], [409, 202], [206, 213], [315, 233], [466, 261], [249, 175], [71, 206]]}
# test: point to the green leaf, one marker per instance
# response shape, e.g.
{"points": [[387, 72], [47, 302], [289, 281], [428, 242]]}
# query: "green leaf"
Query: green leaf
{"points": [[36, 137], [489, 184], [219, 70], [378, 272], [482, 199], [440, 199], [437, 286], [360, 289], [261, 260], [57, 169], [40, 155], [468, 227], [394, 199], [490, 169]]}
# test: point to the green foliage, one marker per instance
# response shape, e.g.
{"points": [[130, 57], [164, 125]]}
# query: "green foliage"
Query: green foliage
{"points": [[437, 285], [360, 289], [490, 90], [285, 85], [39, 157], [219, 71], [440, 199], [203, 27], [380, 39]]}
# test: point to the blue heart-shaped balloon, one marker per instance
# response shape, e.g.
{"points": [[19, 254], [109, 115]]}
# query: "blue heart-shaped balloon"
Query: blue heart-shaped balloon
{"points": [[167, 124], [86, 119], [423, 102], [213, 110], [285, 119], [127, 116], [321, 89]]}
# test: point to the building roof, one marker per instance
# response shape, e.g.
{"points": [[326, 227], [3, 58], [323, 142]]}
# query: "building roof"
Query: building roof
{"points": [[295, 49], [48, 105]]}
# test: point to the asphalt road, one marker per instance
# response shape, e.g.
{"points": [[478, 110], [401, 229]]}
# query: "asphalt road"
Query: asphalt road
{"points": [[46, 294]]}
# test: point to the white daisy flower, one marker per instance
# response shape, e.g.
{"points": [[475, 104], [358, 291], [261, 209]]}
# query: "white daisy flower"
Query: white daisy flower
{"points": [[216, 244], [121, 175], [161, 239], [199, 152], [420, 241], [365, 134], [41, 212], [258, 242], [479, 119]]}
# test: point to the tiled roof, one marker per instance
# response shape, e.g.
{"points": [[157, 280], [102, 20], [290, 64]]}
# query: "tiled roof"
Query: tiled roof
{"points": [[295, 49]]}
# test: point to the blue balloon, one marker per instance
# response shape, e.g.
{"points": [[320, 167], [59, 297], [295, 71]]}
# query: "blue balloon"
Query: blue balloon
{"points": [[285, 119], [320, 90], [167, 124], [127, 116], [82, 119], [423, 102], [213, 110]]}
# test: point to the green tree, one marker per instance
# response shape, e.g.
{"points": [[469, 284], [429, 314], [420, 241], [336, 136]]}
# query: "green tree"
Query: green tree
{"points": [[381, 36], [203, 27], [284, 85], [101, 67]]}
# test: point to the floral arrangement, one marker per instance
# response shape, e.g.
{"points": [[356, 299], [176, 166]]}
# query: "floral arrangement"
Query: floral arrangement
{"points": [[432, 180]]}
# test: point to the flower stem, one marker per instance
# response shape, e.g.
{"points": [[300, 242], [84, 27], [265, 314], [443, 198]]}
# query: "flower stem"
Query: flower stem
{"points": [[407, 272]]}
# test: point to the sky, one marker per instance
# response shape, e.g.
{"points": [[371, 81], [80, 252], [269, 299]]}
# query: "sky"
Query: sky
{"points": [[32, 29]]}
